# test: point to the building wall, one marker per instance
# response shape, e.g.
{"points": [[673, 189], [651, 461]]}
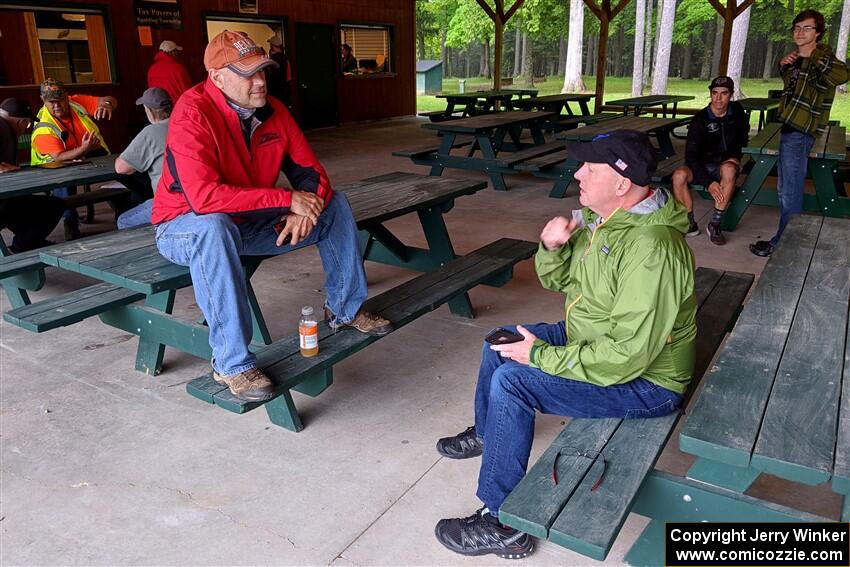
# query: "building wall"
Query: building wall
{"points": [[359, 98]]}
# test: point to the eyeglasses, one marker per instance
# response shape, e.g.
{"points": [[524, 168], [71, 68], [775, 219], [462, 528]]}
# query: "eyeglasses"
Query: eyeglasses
{"points": [[799, 28], [595, 456]]}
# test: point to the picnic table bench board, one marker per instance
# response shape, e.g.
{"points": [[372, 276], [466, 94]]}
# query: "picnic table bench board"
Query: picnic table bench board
{"points": [[283, 363], [570, 513]]}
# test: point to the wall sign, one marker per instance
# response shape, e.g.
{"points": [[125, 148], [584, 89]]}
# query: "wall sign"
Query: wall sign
{"points": [[247, 6], [159, 14]]}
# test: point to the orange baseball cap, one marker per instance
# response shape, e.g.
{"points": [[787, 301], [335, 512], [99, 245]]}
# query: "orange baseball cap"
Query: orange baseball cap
{"points": [[237, 52]]}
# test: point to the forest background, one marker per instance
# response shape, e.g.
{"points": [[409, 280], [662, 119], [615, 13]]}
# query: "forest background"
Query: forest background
{"points": [[677, 44]]}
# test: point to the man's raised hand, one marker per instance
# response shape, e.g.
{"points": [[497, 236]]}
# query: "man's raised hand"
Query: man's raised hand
{"points": [[557, 232]]}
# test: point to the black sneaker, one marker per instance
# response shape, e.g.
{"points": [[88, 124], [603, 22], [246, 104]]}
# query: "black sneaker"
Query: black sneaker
{"points": [[715, 234], [693, 229], [762, 248], [464, 445], [480, 534]]}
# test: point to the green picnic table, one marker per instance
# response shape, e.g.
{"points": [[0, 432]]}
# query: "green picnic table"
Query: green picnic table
{"points": [[556, 103], [130, 269], [766, 107], [829, 149], [641, 102], [496, 136], [477, 102]]}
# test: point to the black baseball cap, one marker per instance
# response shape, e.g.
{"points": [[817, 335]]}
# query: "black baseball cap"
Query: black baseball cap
{"points": [[629, 152], [722, 82], [17, 108]]}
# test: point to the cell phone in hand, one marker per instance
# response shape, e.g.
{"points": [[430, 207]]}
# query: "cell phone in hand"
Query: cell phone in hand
{"points": [[503, 337]]}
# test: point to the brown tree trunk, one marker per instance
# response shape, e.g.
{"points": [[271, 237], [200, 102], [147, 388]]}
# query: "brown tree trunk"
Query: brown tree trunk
{"points": [[768, 61], [687, 51], [562, 56]]}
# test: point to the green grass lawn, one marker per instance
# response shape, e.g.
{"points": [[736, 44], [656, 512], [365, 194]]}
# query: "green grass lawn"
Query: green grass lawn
{"points": [[620, 87]]}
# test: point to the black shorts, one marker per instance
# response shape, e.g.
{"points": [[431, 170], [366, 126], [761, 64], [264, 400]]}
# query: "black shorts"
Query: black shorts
{"points": [[707, 177]]}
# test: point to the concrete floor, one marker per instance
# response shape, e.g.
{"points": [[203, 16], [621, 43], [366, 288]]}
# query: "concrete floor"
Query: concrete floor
{"points": [[102, 465]]}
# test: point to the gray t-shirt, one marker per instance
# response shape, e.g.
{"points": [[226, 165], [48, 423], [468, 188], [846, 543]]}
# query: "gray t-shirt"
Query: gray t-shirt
{"points": [[146, 150]]}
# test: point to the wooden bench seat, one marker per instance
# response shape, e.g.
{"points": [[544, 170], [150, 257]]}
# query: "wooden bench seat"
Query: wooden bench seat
{"points": [[588, 521], [71, 307], [85, 198], [511, 159], [283, 363], [440, 115], [543, 162], [428, 149]]}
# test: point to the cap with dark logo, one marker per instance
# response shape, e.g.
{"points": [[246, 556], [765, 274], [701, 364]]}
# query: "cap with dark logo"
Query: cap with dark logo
{"points": [[16, 108], [51, 89], [722, 82], [155, 97], [629, 152], [237, 52]]}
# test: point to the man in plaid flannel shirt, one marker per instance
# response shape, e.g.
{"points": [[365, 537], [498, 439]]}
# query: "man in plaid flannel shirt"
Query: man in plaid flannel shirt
{"points": [[810, 74]]}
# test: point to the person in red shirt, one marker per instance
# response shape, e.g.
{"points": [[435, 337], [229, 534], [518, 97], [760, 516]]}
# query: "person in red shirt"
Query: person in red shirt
{"points": [[167, 73], [217, 200]]}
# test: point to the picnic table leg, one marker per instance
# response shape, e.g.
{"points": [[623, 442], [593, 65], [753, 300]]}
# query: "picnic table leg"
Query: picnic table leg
{"points": [[441, 250], [585, 109], [536, 133], [445, 149], [487, 152], [282, 412], [746, 194], [261, 335], [150, 353], [665, 145], [822, 173], [648, 548]]}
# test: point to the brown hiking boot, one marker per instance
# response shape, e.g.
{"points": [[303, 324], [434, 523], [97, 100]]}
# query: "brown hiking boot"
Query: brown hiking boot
{"points": [[365, 322], [251, 385]]}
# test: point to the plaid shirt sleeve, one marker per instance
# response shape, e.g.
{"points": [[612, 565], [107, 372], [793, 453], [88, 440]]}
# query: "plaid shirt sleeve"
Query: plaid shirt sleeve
{"points": [[807, 108]]}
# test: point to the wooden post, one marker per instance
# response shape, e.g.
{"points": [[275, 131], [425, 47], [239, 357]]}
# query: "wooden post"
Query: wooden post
{"points": [[497, 54], [600, 58], [729, 12]]}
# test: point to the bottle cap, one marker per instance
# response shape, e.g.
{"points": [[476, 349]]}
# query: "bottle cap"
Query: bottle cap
{"points": [[307, 310]]}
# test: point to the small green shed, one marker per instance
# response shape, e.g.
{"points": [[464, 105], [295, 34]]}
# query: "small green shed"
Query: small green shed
{"points": [[429, 76]]}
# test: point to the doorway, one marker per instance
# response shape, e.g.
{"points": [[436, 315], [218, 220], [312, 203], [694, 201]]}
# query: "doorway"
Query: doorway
{"points": [[316, 74]]}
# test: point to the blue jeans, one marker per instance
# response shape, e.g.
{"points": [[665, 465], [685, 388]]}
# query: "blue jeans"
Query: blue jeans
{"points": [[69, 215], [508, 393], [137, 216], [210, 245], [794, 148]]}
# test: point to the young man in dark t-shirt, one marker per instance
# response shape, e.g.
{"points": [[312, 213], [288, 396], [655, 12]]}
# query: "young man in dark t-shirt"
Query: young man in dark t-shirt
{"points": [[31, 217]]}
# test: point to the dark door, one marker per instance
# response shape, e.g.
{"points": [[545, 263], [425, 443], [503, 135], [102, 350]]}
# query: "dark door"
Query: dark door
{"points": [[315, 52]]}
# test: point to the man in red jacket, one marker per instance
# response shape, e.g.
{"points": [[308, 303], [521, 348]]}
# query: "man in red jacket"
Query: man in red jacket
{"points": [[216, 201], [167, 73]]}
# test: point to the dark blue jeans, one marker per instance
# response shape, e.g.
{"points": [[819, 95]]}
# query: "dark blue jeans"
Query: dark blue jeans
{"points": [[794, 148], [508, 393]]}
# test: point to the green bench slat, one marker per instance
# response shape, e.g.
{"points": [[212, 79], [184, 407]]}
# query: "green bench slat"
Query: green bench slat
{"points": [[287, 368], [745, 371], [814, 350], [22, 263], [836, 143], [573, 121], [569, 514], [70, 308], [543, 162]]}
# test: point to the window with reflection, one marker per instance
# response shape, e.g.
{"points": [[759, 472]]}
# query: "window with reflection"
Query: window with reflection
{"points": [[70, 44]]}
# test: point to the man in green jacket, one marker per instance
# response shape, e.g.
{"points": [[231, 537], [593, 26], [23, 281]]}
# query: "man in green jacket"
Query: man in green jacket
{"points": [[624, 350], [810, 74]]}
